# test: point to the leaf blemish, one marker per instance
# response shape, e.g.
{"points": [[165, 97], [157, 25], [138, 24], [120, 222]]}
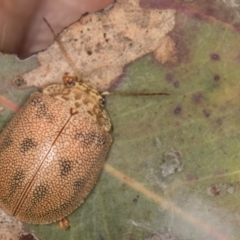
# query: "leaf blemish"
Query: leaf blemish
{"points": [[169, 77], [135, 200], [198, 97], [216, 77], [215, 57], [176, 84], [177, 110], [206, 113]]}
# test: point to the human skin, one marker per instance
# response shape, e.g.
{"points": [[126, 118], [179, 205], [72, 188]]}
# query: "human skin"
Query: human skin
{"points": [[22, 29]]}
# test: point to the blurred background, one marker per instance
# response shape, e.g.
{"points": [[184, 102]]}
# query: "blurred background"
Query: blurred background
{"points": [[22, 29]]}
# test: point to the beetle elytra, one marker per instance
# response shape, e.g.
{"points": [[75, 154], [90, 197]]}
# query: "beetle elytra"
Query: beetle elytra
{"points": [[52, 152]]}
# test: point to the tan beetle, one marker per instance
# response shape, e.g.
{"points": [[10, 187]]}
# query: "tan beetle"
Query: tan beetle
{"points": [[52, 152]]}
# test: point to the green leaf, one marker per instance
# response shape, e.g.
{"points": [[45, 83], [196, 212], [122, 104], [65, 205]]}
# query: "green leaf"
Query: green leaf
{"points": [[11, 98]]}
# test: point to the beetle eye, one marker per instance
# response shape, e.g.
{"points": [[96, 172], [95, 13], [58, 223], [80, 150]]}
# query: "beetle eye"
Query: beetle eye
{"points": [[101, 101], [71, 83], [69, 80]]}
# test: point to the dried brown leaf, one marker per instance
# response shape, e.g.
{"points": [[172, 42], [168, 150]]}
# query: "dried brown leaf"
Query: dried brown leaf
{"points": [[101, 44]]}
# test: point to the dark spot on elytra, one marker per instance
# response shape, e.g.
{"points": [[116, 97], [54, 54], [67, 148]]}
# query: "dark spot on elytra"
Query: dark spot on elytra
{"points": [[198, 97], [176, 84], [27, 144], [99, 139], [90, 138], [41, 107], [215, 57], [17, 180], [6, 143], [40, 192], [65, 167], [36, 101], [177, 110], [78, 186], [206, 113], [169, 77], [216, 77]]}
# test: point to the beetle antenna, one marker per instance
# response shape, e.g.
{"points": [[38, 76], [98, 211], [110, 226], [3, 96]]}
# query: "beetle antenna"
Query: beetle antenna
{"points": [[135, 94], [64, 51]]}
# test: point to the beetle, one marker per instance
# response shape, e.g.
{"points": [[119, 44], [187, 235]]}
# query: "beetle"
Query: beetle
{"points": [[52, 151]]}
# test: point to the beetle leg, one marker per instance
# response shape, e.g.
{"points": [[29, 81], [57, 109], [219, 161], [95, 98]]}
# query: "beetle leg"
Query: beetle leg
{"points": [[64, 223]]}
